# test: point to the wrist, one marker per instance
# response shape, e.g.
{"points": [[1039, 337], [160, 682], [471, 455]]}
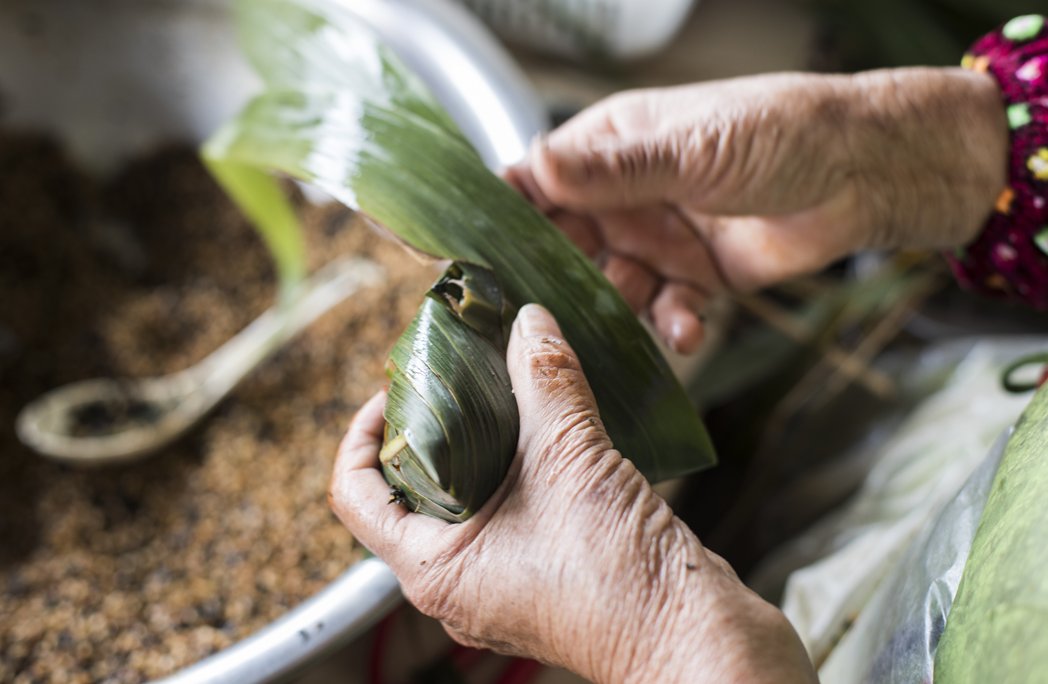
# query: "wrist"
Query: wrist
{"points": [[626, 639], [929, 148], [695, 622]]}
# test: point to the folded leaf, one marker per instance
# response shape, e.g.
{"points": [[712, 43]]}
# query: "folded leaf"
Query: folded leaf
{"points": [[341, 112], [451, 418]]}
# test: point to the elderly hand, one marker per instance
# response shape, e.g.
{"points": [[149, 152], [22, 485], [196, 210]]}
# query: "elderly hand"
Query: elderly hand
{"points": [[575, 560], [686, 192]]}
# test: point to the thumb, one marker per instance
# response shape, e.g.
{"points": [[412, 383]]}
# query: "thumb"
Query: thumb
{"points": [[593, 173], [559, 420]]}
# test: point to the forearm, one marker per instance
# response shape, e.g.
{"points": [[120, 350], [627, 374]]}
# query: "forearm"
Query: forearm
{"points": [[699, 624]]}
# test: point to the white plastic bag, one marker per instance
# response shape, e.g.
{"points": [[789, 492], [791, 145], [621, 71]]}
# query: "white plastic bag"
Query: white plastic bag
{"points": [[895, 637], [917, 472]]}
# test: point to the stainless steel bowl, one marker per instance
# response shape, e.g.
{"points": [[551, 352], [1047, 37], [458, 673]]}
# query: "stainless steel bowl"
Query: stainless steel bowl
{"points": [[113, 78]]}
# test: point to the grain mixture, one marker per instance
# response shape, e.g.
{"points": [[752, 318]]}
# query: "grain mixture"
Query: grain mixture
{"points": [[129, 573]]}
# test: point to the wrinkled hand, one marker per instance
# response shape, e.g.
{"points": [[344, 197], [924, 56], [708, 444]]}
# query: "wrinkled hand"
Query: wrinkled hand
{"points": [[574, 560], [682, 193]]}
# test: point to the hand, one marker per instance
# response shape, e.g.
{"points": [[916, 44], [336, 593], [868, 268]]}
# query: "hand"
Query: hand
{"points": [[575, 560], [683, 193]]}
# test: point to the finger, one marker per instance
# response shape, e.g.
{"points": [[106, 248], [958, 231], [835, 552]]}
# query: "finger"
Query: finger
{"points": [[581, 230], [359, 448], [607, 173], [636, 283], [594, 121], [520, 178], [665, 241], [763, 251], [558, 413], [360, 497], [676, 312], [603, 157]]}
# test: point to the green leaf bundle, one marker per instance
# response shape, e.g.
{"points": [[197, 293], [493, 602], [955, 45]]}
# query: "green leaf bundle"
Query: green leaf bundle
{"points": [[451, 418], [339, 110]]}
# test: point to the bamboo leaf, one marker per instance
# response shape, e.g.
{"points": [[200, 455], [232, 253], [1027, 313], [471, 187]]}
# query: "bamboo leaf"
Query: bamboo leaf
{"points": [[451, 418], [259, 197], [997, 629], [341, 112]]}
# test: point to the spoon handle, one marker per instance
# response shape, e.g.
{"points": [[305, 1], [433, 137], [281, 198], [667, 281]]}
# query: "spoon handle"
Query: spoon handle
{"points": [[226, 366]]}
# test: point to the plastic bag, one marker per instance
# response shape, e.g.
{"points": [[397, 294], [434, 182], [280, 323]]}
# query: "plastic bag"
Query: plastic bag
{"points": [[918, 471], [895, 637]]}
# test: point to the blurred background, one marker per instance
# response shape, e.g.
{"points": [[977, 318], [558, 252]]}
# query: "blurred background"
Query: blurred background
{"points": [[118, 256]]}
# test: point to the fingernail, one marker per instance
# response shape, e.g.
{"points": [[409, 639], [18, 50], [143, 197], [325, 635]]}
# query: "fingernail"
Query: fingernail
{"points": [[535, 320], [676, 333], [685, 334]]}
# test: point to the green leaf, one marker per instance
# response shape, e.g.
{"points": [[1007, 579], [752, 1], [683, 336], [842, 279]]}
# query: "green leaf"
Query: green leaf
{"points": [[451, 418], [259, 196], [997, 629], [341, 112]]}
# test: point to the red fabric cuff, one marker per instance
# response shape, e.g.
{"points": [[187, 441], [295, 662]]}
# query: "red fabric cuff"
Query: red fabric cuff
{"points": [[1009, 259]]}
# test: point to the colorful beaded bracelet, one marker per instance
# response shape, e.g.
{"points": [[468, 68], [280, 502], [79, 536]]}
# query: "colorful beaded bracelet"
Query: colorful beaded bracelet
{"points": [[1010, 257]]}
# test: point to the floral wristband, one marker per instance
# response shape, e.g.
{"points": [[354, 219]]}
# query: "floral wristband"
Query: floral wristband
{"points": [[1009, 259]]}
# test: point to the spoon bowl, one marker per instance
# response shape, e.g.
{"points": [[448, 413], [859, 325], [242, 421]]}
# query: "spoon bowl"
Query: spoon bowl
{"points": [[108, 421]]}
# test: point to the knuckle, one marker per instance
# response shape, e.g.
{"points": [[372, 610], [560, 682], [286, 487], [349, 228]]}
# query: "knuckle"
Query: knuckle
{"points": [[575, 432], [610, 477], [571, 446], [715, 156], [549, 357], [723, 566], [661, 154]]}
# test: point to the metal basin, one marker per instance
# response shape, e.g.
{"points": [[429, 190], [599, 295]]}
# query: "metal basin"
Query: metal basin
{"points": [[113, 78]]}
